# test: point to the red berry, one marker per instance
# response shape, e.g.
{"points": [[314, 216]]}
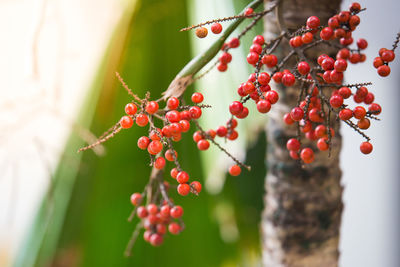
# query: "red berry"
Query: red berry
{"points": [[225, 58], [388, 56], [345, 114], [248, 87], [195, 112], [288, 79], [297, 113], [183, 189], [303, 68], [235, 108], [333, 22], [343, 53], [263, 78], [164, 211], [176, 212], [293, 144], [252, 58], [185, 125], [307, 155], [248, 11], [222, 67], [269, 60], [359, 112], [369, 98], [336, 77], [130, 109], [169, 154], [143, 142], [159, 163], [378, 62], [161, 229], [185, 115], [326, 33], [344, 16], [155, 134], [197, 98], [174, 228], [363, 123], [234, 42], [216, 28], [296, 41], [196, 186], [142, 212], [174, 173], [272, 96], [256, 48], [362, 92], [366, 147], [243, 114], [354, 21], [197, 136], [322, 144], [157, 239], [136, 198], [126, 122], [362, 43], [203, 144], [155, 147], [173, 103], [277, 77], [259, 39], [173, 116], [375, 109], [384, 70], [182, 177], [146, 236], [222, 131], [234, 170], [355, 7], [152, 208], [142, 120], [151, 107], [328, 63], [321, 58], [288, 119], [340, 65], [307, 37], [336, 101], [345, 92], [313, 22], [263, 106]]}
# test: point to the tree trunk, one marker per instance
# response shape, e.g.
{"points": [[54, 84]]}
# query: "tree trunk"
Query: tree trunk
{"points": [[303, 204]]}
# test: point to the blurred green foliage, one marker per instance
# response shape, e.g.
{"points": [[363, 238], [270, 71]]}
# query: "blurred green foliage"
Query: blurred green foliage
{"points": [[83, 222]]}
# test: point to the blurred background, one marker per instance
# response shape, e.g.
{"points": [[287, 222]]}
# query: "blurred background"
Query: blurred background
{"points": [[59, 91]]}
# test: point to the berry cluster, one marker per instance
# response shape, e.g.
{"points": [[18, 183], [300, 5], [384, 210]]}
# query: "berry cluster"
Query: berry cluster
{"points": [[158, 143], [321, 98], [157, 219], [381, 62]]}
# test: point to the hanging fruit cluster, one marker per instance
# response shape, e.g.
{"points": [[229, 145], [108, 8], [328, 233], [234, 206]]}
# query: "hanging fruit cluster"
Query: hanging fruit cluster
{"points": [[322, 96]]}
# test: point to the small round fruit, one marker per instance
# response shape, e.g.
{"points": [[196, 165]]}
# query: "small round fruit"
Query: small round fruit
{"points": [[183, 189], [366, 147], [126, 122], [234, 170], [201, 32], [216, 28]]}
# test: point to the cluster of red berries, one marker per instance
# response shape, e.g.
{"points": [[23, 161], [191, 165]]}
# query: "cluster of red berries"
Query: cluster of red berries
{"points": [[175, 123], [381, 62], [158, 219]]}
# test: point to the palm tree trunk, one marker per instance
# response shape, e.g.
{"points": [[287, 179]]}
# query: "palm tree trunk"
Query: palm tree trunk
{"points": [[303, 205]]}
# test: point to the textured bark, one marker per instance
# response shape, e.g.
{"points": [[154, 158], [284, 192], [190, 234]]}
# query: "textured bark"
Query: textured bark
{"points": [[303, 204]]}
